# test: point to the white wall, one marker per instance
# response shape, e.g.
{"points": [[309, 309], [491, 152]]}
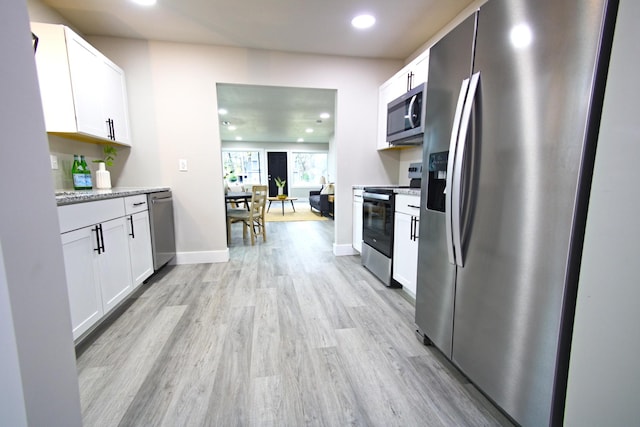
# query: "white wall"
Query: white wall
{"points": [[604, 374], [172, 104], [38, 380]]}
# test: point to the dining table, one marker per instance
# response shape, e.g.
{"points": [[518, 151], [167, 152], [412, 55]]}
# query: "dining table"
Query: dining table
{"points": [[238, 197]]}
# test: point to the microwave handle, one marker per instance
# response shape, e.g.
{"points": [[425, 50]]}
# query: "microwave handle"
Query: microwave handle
{"points": [[410, 111]]}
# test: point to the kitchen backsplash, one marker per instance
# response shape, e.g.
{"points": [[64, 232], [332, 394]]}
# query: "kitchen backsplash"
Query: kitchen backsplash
{"points": [[64, 149], [408, 156]]}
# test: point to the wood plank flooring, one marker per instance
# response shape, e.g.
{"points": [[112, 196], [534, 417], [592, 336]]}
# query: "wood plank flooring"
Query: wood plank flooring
{"points": [[285, 334]]}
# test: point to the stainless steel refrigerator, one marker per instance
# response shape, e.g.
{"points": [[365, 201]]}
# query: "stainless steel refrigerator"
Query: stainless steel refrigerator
{"points": [[513, 107]]}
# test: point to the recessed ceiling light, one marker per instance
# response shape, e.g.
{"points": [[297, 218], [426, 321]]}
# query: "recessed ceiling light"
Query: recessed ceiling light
{"points": [[309, 130], [144, 2], [325, 115], [238, 138], [222, 111], [362, 22], [300, 139], [232, 127]]}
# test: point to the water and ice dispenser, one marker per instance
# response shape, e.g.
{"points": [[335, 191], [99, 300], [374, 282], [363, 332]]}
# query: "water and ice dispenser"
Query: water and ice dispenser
{"points": [[437, 179]]}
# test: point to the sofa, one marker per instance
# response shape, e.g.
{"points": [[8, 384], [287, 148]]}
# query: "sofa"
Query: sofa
{"points": [[319, 200]]}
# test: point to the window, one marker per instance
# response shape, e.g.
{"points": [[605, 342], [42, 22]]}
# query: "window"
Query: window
{"points": [[309, 168], [241, 167]]}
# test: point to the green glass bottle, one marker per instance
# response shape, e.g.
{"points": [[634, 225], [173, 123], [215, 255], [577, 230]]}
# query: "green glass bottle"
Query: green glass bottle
{"points": [[77, 174], [88, 184]]}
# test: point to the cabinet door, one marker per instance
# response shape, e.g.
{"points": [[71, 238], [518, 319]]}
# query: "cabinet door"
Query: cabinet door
{"points": [[115, 101], [420, 69], [86, 80], [114, 268], [405, 253], [85, 302], [383, 99], [140, 247], [399, 84]]}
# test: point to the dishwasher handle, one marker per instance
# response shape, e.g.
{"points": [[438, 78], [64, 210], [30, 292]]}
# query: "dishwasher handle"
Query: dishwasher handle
{"points": [[162, 198]]}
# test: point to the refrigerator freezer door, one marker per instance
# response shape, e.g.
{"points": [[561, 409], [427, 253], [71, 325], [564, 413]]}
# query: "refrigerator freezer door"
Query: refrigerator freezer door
{"points": [[449, 65], [537, 66]]}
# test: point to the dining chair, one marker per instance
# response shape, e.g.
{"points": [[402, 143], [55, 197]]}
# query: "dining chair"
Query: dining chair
{"points": [[253, 218]]}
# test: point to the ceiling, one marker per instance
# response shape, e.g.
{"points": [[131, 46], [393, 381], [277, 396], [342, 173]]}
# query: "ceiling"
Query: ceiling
{"points": [[317, 27], [275, 114]]}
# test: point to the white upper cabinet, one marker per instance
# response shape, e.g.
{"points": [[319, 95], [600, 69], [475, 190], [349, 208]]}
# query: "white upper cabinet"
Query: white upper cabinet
{"points": [[83, 93], [84, 66], [115, 101], [410, 76], [420, 69]]}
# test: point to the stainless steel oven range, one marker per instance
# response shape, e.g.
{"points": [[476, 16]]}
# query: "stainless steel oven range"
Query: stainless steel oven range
{"points": [[378, 206]]}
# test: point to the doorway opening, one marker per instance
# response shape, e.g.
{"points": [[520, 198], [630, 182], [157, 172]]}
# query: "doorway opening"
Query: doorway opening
{"points": [[270, 132]]}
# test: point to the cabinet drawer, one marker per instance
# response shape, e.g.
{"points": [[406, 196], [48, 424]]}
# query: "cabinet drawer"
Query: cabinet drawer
{"points": [[73, 217], [407, 204], [135, 204]]}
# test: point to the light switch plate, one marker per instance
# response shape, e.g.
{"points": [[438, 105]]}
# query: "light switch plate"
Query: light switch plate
{"points": [[182, 165], [54, 161]]}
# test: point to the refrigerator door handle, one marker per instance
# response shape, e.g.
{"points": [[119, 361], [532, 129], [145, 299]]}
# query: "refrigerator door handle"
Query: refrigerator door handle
{"points": [[453, 145], [456, 207]]}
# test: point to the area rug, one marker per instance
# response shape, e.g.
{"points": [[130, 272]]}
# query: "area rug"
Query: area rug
{"points": [[301, 214]]}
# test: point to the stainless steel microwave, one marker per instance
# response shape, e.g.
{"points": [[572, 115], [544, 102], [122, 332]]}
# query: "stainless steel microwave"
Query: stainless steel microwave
{"points": [[406, 116]]}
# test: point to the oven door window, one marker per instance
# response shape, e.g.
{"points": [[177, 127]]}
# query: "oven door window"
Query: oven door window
{"points": [[377, 228]]}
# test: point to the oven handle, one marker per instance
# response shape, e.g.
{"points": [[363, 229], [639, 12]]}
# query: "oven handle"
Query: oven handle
{"points": [[376, 196]]}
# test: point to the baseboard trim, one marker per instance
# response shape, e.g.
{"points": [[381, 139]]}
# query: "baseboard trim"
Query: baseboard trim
{"points": [[201, 257], [344, 250]]}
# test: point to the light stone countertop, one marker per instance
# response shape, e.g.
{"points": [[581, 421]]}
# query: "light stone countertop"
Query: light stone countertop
{"points": [[405, 190], [408, 191], [69, 197]]}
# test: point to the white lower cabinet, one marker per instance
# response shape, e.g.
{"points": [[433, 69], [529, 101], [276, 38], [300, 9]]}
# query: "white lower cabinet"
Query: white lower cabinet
{"points": [[106, 254], [96, 260], [140, 247], [85, 300], [114, 269], [405, 242]]}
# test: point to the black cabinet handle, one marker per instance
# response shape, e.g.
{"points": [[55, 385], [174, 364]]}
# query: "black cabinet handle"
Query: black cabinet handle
{"points": [[139, 203], [97, 230], [102, 239], [132, 234], [411, 230], [410, 81], [112, 130], [416, 220]]}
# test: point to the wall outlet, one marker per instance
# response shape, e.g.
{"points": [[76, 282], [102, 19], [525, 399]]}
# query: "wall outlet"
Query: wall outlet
{"points": [[182, 165], [54, 161]]}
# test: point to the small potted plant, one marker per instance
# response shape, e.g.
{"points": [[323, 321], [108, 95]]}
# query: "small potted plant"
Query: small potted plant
{"points": [[103, 177], [280, 184]]}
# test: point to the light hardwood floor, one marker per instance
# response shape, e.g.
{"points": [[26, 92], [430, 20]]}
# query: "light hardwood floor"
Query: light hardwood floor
{"points": [[285, 334]]}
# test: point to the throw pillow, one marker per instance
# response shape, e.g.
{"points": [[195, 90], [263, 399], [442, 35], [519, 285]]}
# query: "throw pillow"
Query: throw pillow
{"points": [[327, 189]]}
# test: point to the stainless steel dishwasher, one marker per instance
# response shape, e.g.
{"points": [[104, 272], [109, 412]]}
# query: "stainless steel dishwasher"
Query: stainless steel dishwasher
{"points": [[163, 240]]}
